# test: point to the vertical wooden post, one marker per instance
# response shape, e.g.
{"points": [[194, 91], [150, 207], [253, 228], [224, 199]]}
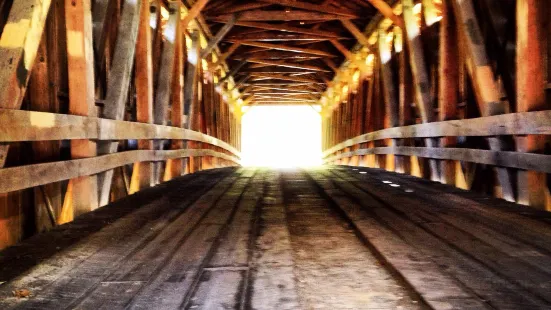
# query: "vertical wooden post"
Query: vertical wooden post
{"points": [[484, 83], [174, 166], [43, 91], [166, 70], [449, 83], [420, 77], [82, 193], [142, 172], [191, 88], [118, 84], [532, 36], [389, 94]]}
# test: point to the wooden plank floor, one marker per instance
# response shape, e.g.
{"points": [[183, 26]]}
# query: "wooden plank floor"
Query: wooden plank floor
{"points": [[325, 238]]}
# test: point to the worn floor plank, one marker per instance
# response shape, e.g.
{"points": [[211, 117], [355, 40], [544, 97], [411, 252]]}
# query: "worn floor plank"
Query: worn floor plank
{"points": [[319, 238]]}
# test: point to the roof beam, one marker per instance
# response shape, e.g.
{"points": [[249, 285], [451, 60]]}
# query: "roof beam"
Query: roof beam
{"points": [[387, 12], [262, 15], [312, 7], [286, 28], [286, 65], [219, 36], [193, 12], [287, 48], [286, 78]]}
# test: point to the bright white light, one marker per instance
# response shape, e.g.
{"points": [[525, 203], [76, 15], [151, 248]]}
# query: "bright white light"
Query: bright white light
{"points": [[409, 190], [363, 172], [387, 182], [281, 136], [394, 185]]}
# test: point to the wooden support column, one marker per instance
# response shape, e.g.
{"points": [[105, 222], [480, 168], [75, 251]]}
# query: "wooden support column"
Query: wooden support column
{"points": [[532, 43], [118, 85], [18, 53], [82, 193], [389, 93], [174, 166], [191, 90], [142, 176], [405, 98], [448, 83], [43, 90], [420, 77], [166, 70], [485, 84]]}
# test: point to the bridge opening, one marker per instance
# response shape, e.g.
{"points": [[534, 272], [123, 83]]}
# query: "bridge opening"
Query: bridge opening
{"points": [[281, 136]]}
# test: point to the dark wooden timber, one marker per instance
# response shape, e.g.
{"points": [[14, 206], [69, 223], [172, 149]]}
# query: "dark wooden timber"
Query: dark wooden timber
{"points": [[338, 237]]}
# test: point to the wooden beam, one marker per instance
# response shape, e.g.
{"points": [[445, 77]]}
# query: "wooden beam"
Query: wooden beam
{"points": [[118, 84], [82, 193], [193, 12], [142, 172], [265, 15], [174, 167], [18, 48], [420, 77], [357, 33], [286, 64], [286, 78], [484, 82], [448, 76], [532, 43], [313, 7], [267, 37], [287, 48], [286, 28], [166, 70], [387, 11], [239, 8], [28, 176], [219, 36], [527, 161]]}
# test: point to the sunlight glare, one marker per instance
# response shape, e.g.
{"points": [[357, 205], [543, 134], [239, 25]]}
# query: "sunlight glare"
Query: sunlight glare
{"points": [[281, 136]]}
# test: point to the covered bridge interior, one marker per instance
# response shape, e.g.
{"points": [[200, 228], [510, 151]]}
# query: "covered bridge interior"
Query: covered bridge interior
{"points": [[122, 186]]}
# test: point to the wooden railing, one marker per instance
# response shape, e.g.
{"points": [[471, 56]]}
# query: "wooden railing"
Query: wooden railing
{"points": [[40, 126], [529, 123]]}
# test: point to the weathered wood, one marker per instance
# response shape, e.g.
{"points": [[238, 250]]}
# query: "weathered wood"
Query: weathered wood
{"points": [[166, 70], [448, 78], [82, 196], [313, 7], [118, 84], [18, 178], [507, 124], [286, 28], [18, 53], [220, 35], [281, 47], [387, 11], [270, 15], [484, 82], [420, 77], [526, 161], [193, 12], [532, 44], [142, 172]]}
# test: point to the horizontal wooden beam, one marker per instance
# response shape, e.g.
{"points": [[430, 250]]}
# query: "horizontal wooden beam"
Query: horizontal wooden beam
{"points": [[313, 7], [286, 78], [264, 15], [18, 178], [279, 47], [286, 64], [525, 161], [286, 28], [42, 126], [536, 123], [263, 36]]}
